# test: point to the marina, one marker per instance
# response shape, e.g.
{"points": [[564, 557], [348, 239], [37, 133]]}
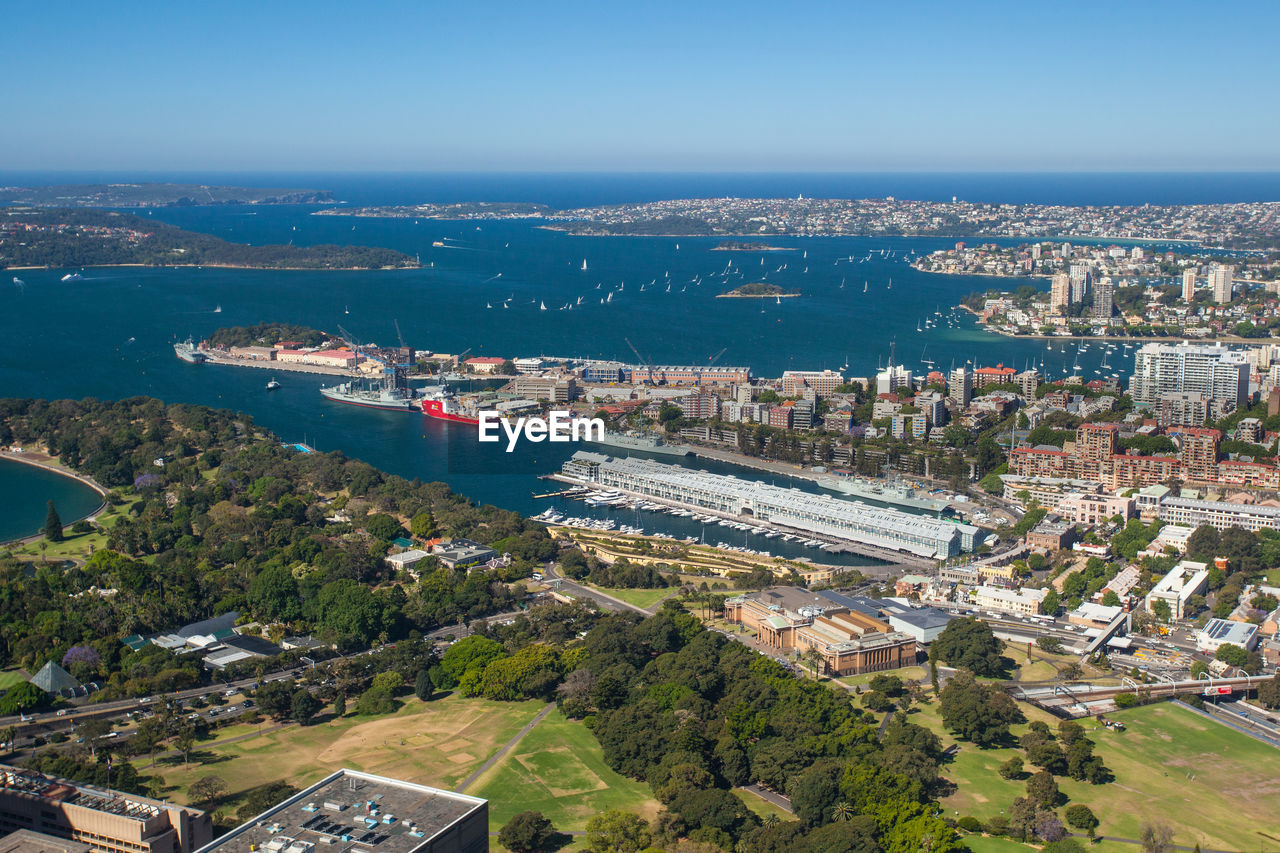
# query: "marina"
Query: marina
{"points": [[761, 508]]}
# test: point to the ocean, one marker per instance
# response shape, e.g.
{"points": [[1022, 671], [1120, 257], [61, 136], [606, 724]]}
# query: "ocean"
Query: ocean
{"points": [[110, 335]]}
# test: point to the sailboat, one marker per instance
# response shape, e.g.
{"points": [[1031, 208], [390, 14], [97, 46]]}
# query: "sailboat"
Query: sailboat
{"points": [[864, 287], [273, 384], [542, 306], [609, 298], [890, 287], [584, 264], [218, 310], [805, 255], [777, 300], [487, 305]]}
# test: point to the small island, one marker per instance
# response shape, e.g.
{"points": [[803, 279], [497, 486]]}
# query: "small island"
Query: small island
{"points": [[739, 246], [757, 290]]}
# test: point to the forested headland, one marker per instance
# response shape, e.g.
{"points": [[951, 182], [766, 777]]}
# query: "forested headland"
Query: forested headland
{"points": [[63, 238]]}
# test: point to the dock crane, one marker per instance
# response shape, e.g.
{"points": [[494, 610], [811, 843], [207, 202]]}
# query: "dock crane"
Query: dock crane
{"points": [[647, 363]]}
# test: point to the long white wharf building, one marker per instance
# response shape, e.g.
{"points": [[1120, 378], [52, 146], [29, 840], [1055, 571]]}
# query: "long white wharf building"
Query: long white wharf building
{"points": [[799, 510]]}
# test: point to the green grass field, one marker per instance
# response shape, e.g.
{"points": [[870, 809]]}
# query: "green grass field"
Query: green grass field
{"points": [[78, 546], [434, 743], [762, 808], [10, 677], [1211, 784], [558, 769], [919, 673], [643, 598]]}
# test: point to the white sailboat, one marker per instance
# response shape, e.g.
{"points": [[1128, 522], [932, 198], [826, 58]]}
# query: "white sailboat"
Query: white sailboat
{"points": [[864, 287], [487, 305], [542, 306], [584, 264]]}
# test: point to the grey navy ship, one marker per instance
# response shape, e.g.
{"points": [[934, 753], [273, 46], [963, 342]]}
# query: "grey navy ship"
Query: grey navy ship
{"points": [[187, 351], [636, 441]]}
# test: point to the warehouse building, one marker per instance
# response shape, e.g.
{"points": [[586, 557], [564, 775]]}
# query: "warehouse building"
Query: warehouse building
{"points": [[792, 508]]}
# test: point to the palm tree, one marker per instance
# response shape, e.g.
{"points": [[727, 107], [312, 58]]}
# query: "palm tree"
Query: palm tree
{"points": [[772, 819], [841, 811], [814, 658]]}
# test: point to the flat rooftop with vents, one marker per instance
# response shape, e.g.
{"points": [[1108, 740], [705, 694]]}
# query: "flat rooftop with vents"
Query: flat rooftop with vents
{"points": [[364, 813]]}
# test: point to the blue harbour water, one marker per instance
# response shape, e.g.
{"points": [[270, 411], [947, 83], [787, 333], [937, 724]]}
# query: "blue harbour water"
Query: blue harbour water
{"points": [[110, 335], [25, 491]]}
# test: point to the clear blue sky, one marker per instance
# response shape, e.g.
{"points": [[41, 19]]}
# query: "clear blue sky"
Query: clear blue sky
{"points": [[842, 86]]}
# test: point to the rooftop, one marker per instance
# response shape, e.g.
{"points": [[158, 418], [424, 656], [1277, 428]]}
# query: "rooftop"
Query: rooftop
{"points": [[18, 781], [26, 841], [1225, 631], [352, 810]]}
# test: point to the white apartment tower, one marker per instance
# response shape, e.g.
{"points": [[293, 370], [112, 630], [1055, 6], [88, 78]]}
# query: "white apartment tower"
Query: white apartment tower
{"points": [[1219, 373], [1189, 285], [1220, 281], [960, 389]]}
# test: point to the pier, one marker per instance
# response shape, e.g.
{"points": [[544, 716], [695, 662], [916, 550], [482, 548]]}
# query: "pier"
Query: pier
{"points": [[907, 562]]}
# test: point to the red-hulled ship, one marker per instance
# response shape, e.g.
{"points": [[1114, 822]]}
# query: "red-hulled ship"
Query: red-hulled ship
{"points": [[444, 405]]}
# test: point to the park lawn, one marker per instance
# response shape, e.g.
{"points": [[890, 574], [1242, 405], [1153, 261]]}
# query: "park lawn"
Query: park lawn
{"points": [[919, 673], [559, 770], [762, 808], [11, 677], [1211, 784], [994, 844], [79, 546], [434, 743], [1273, 577], [642, 598]]}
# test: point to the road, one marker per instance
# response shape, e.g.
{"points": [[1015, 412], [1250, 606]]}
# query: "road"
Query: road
{"points": [[768, 796], [552, 576]]}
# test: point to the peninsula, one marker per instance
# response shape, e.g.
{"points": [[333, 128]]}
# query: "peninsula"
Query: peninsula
{"points": [[156, 195], [64, 238], [1249, 225], [460, 210], [757, 290]]}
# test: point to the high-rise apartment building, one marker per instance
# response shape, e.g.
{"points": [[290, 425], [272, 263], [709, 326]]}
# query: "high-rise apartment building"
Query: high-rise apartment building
{"points": [[1103, 296], [960, 388], [1028, 381], [1189, 285], [1213, 370], [1060, 292], [1221, 279]]}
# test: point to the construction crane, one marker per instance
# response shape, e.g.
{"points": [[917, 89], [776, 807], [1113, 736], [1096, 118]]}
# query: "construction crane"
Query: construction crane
{"points": [[647, 363]]}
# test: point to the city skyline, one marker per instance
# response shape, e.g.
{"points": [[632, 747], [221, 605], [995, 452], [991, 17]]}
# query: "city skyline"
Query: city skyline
{"points": [[664, 87]]}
